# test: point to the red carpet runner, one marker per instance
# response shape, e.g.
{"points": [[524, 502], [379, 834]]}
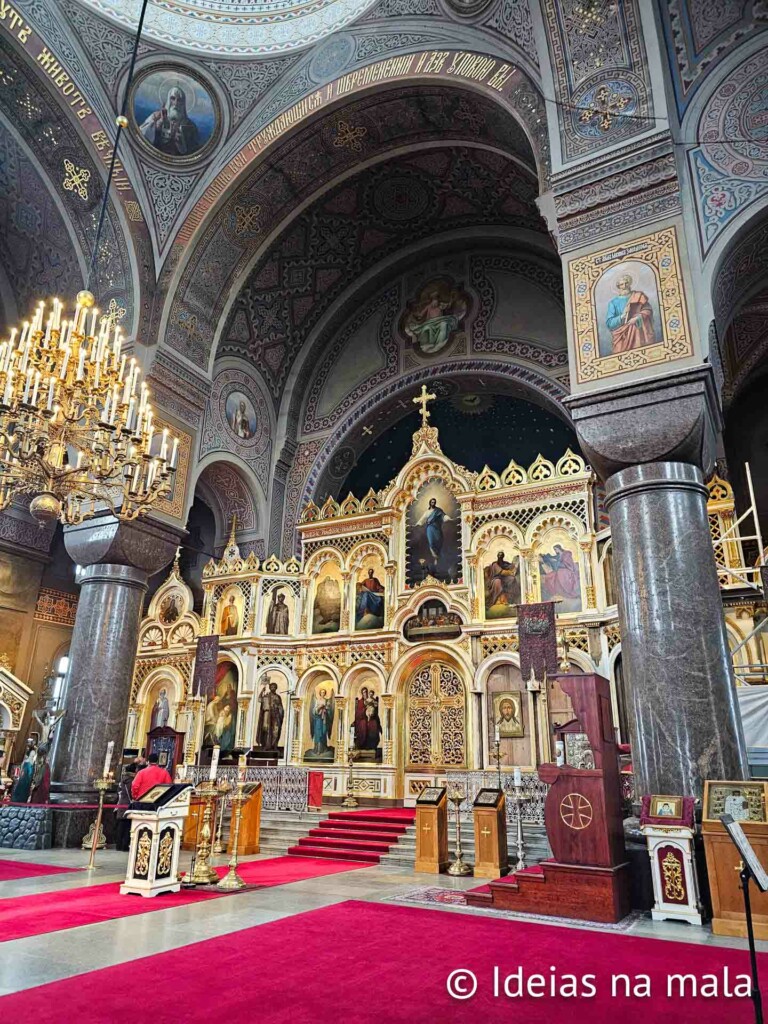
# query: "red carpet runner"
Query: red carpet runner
{"points": [[22, 916], [13, 870], [355, 835], [373, 962]]}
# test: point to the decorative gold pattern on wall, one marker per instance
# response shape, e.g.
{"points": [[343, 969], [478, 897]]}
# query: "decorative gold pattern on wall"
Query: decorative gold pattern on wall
{"points": [[436, 718]]}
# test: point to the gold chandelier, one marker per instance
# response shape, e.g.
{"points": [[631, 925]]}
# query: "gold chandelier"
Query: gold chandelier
{"points": [[76, 429]]}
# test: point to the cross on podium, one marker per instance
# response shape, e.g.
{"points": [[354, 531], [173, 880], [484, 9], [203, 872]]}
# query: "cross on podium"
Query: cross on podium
{"points": [[486, 831]]}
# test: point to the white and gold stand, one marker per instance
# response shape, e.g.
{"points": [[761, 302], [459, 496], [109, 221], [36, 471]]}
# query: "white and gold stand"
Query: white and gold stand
{"points": [[675, 886], [153, 857]]}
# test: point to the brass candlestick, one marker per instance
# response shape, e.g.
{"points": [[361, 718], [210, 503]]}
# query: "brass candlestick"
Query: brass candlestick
{"points": [[223, 788], [203, 873], [232, 879], [349, 800], [496, 756], [457, 866], [102, 785]]}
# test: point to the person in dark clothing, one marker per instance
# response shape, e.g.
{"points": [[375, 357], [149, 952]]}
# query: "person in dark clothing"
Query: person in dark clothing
{"points": [[123, 840]]}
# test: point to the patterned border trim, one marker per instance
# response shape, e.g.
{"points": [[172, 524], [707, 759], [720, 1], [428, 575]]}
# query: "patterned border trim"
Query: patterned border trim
{"points": [[659, 251]]}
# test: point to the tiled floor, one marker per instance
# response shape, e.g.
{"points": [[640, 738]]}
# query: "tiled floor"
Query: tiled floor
{"points": [[33, 961]]}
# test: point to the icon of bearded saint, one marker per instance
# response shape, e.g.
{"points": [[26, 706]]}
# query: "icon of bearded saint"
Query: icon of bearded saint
{"points": [[171, 130]]}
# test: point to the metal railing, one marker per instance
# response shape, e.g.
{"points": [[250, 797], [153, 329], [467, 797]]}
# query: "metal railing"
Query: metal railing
{"points": [[282, 788], [534, 792]]}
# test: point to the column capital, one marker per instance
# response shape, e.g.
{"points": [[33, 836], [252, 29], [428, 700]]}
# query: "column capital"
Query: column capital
{"points": [[142, 544], [674, 419]]}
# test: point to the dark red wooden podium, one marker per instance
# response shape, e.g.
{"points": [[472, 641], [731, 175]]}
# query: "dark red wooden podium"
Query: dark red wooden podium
{"points": [[588, 877]]}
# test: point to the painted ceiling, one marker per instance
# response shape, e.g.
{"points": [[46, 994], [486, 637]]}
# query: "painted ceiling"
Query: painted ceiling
{"points": [[235, 29]]}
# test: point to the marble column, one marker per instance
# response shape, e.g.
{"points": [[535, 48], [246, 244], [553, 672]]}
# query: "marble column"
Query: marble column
{"points": [[653, 443], [117, 559]]}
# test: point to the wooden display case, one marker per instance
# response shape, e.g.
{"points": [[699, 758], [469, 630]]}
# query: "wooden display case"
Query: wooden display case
{"points": [[748, 801]]}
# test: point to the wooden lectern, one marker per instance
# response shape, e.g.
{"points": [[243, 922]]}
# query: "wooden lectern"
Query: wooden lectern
{"points": [[250, 822], [746, 802], [588, 877], [432, 830], [193, 823], [490, 813]]}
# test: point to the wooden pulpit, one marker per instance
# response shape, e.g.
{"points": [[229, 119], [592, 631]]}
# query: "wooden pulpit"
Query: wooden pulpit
{"points": [[490, 814], [250, 823], [746, 802], [432, 830], [192, 823], [589, 876]]}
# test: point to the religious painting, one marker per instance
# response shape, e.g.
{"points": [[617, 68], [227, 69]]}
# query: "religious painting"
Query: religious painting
{"points": [[434, 317], [220, 722], [433, 621], [322, 710], [744, 801], [241, 416], [502, 581], [231, 608], [559, 573], [507, 715], [628, 307], [369, 595], [171, 607], [666, 807], [627, 301], [433, 535], [11, 630], [366, 727], [326, 609], [174, 114], [279, 611], [272, 697], [160, 704]]}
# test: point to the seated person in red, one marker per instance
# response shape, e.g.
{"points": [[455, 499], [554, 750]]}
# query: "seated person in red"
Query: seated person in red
{"points": [[152, 775]]}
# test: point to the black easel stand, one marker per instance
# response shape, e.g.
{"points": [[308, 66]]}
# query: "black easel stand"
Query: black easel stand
{"points": [[745, 877]]}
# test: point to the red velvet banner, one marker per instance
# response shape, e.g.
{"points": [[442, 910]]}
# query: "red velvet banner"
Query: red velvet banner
{"points": [[538, 640], [204, 681]]}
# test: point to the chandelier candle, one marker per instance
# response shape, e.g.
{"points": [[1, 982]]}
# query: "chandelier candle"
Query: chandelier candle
{"points": [[76, 428]]}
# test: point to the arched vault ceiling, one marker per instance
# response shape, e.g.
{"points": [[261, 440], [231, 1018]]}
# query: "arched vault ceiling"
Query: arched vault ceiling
{"points": [[356, 225], [236, 27], [310, 161], [55, 143]]}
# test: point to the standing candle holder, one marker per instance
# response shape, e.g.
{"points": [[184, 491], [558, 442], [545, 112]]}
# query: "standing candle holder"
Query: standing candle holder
{"points": [[232, 879], [457, 866], [518, 798], [203, 873], [222, 789], [496, 756], [102, 785], [350, 800]]}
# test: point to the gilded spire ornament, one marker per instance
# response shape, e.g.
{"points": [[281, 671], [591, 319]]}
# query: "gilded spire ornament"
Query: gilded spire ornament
{"points": [[422, 400]]}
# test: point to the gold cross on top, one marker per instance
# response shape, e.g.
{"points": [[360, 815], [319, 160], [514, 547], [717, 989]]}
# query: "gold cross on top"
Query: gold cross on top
{"points": [[422, 401]]}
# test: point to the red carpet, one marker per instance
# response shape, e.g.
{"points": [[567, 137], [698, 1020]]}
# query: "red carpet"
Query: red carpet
{"points": [[363, 962], [355, 835], [11, 870], [22, 916]]}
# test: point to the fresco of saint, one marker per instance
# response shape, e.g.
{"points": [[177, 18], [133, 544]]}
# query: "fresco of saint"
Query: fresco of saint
{"points": [[502, 587], [630, 317], [560, 579], [369, 607]]}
